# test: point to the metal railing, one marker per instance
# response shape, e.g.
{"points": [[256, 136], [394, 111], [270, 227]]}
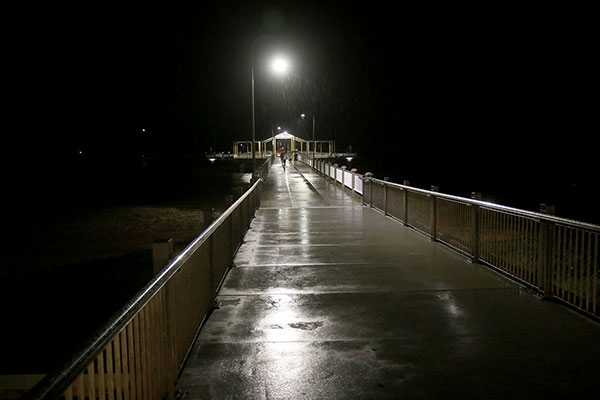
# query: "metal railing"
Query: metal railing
{"points": [[139, 352], [263, 170], [557, 256], [350, 179]]}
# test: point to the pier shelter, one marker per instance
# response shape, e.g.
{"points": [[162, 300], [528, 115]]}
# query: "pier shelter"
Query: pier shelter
{"points": [[284, 141]]}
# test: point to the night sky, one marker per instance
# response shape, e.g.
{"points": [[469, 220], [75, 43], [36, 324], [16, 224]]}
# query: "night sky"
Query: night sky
{"points": [[501, 91]]}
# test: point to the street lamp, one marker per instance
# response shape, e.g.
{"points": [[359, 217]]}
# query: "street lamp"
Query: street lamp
{"points": [[279, 65]]}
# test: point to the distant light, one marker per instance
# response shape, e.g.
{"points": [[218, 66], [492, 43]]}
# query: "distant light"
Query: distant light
{"points": [[212, 159], [279, 127], [349, 158], [143, 130], [280, 65], [80, 152], [303, 115]]}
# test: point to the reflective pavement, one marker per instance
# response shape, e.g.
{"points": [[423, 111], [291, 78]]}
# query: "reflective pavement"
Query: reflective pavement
{"points": [[333, 300]]}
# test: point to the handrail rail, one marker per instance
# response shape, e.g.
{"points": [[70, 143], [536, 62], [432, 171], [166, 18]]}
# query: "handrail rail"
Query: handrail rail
{"points": [[481, 203], [517, 211], [54, 384]]}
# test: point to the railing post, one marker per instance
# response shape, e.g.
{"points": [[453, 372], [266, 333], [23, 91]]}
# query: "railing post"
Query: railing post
{"points": [[232, 244], [406, 183], [335, 168], [368, 177], [212, 264], [475, 228], [353, 171], [228, 203], [385, 195], [546, 253], [162, 251], [434, 188], [240, 208]]}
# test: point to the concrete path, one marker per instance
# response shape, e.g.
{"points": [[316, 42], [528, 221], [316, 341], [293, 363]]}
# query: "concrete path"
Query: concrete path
{"points": [[333, 300]]}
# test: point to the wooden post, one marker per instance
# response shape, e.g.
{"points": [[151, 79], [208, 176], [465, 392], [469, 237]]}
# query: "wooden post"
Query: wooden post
{"points": [[162, 251], [406, 183], [475, 228], [385, 195], [433, 220], [546, 253]]}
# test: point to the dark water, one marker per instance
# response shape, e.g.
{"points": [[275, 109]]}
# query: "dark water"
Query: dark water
{"points": [[573, 195], [48, 312], [142, 181]]}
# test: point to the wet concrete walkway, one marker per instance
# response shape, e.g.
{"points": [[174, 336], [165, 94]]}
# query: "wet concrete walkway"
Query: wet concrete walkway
{"points": [[333, 300]]}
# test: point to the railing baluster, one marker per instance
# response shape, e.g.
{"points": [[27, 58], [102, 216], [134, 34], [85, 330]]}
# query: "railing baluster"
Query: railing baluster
{"points": [[91, 374], [406, 183], [385, 197], [118, 371], [596, 276], [546, 255], [433, 214], [143, 355], [564, 264], [109, 376], [475, 227], [588, 281], [69, 393], [80, 387]]}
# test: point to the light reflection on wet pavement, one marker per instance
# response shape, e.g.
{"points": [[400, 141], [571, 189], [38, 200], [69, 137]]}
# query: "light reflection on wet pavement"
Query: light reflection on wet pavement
{"points": [[332, 300]]}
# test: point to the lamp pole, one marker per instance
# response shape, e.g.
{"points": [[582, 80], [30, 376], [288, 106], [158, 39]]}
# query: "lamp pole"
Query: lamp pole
{"points": [[253, 125], [314, 143], [313, 134]]}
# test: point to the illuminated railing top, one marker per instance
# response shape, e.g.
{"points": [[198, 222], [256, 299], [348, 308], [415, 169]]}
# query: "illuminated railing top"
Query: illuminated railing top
{"points": [[496, 206]]}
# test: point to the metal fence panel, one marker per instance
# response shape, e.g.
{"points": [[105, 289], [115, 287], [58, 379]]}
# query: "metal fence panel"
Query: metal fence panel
{"points": [[377, 193], [454, 224], [419, 211], [347, 178], [510, 242], [576, 267], [358, 183], [395, 202]]}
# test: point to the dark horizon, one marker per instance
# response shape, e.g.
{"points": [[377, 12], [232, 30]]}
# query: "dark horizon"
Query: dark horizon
{"points": [[482, 93]]}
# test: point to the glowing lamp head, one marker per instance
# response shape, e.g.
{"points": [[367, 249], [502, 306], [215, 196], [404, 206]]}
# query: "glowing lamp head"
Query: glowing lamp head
{"points": [[280, 65]]}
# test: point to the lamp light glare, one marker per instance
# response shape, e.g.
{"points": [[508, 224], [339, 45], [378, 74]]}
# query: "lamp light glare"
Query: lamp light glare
{"points": [[280, 65]]}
